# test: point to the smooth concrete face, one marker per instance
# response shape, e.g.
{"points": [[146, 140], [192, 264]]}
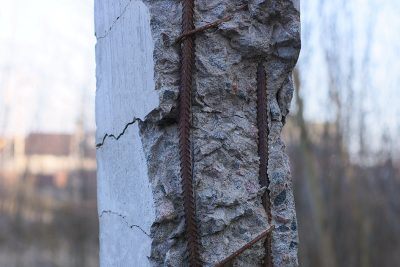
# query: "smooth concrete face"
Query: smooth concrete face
{"points": [[125, 94], [121, 245], [125, 202], [125, 68]]}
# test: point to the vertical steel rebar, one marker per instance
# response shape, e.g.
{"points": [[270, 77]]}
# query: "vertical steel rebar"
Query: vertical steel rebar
{"points": [[185, 99]]}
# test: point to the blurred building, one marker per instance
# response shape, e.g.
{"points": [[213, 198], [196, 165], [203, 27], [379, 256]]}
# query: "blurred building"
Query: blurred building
{"points": [[50, 161]]}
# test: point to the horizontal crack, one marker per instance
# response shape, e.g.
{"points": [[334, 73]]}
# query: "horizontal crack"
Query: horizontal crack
{"points": [[114, 22], [116, 137], [131, 226]]}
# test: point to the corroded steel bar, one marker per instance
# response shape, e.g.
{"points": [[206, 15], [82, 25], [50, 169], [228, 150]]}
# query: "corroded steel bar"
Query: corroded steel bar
{"points": [[208, 25], [203, 28], [263, 132], [235, 254], [185, 99]]}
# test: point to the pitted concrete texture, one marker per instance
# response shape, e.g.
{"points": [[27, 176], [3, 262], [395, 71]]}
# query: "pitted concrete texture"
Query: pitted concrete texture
{"points": [[140, 197]]}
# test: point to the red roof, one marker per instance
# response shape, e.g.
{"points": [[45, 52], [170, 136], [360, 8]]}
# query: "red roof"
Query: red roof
{"points": [[48, 144]]}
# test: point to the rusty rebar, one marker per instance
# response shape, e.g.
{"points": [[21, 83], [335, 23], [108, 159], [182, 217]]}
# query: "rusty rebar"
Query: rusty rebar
{"points": [[185, 99], [248, 245], [263, 132], [214, 24], [207, 26]]}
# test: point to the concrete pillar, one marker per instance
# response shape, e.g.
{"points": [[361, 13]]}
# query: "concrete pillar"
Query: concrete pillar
{"points": [[139, 191]]}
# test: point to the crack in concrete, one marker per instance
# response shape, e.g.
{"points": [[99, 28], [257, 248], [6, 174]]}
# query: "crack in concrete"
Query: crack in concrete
{"points": [[116, 137], [114, 22], [123, 217]]}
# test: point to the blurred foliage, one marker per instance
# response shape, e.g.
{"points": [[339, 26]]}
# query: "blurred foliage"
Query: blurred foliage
{"points": [[39, 230]]}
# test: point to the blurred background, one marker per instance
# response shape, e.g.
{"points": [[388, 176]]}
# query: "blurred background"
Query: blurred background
{"points": [[48, 215], [341, 135]]}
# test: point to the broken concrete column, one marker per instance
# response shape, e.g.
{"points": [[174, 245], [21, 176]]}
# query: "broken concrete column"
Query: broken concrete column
{"points": [[139, 186]]}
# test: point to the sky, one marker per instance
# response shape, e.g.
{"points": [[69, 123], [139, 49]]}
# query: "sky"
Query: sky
{"points": [[376, 27], [47, 63]]}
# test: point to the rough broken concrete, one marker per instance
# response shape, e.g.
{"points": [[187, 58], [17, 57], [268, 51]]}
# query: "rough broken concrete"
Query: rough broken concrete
{"points": [[140, 201]]}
